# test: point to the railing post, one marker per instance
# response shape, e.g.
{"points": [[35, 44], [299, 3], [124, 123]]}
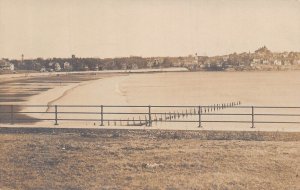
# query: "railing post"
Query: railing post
{"points": [[149, 112], [56, 123], [12, 114], [252, 108], [101, 123], [199, 115]]}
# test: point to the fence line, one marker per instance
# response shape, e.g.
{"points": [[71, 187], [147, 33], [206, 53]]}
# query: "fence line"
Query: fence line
{"points": [[149, 115]]}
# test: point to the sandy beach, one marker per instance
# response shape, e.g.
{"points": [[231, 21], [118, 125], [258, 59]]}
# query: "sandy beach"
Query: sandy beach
{"points": [[178, 88]]}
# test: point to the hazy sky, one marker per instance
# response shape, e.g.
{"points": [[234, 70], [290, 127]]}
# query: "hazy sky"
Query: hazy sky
{"points": [[100, 28]]}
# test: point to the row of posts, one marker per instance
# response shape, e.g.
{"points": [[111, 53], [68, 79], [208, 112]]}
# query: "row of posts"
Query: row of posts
{"points": [[201, 109]]}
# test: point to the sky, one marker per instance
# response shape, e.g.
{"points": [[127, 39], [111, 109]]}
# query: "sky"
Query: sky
{"points": [[122, 28]]}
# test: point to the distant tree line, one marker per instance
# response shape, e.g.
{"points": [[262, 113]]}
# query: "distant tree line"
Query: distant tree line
{"points": [[82, 64], [241, 61]]}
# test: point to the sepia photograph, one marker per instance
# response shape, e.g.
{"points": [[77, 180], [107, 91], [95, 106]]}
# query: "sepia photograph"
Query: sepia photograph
{"points": [[149, 94]]}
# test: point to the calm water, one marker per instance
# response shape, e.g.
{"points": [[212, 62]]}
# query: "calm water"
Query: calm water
{"points": [[251, 88]]}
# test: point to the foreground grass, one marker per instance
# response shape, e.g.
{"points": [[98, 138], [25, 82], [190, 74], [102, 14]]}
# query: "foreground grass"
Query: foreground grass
{"points": [[114, 159]]}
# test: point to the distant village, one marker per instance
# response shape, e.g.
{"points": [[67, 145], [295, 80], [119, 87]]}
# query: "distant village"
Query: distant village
{"points": [[262, 59]]}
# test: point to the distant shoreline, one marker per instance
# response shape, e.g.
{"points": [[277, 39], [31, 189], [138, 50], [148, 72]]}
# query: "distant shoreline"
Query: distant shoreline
{"points": [[26, 75], [5, 76]]}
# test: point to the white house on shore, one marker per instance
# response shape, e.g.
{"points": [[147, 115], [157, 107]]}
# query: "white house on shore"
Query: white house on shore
{"points": [[265, 62], [67, 66], [277, 62], [296, 62], [6, 66], [57, 67]]}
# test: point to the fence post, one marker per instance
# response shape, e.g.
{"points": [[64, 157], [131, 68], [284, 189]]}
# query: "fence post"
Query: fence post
{"points": [[199, 114], [101, 123], [252, 108], [56, 123], [12, 114], [150, 120]]}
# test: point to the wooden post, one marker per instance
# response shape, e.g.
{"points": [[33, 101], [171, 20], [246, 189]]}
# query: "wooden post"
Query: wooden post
{"points": [[145, 120], [199, 115], [101, 123], [12, 114], [56, 123], [150, 121], [252, 108]]}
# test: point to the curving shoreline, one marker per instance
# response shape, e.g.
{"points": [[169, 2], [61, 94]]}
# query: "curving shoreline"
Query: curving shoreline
{"points": [[65, 93], [82, 93], [166, 89]]}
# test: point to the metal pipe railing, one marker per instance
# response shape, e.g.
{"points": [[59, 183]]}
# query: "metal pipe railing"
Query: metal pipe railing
{"points": [[151, 113]]}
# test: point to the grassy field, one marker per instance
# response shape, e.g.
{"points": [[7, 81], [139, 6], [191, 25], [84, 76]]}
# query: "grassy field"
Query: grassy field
{"points": [[147, 159]]}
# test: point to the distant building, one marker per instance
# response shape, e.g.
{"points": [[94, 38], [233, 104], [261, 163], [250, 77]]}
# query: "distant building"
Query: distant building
{"points": [[154, 62], [95, 67], [256, 61], [225, 58], [51, 64], [124, 66], [277, 62], [285, 54], [190, 60], [265, 62], [86, 68], [196, 59], [150, 64], [67, 66], [134, 66], [207, 64], [286, 62], [57, 67], [43, 69], [6, 66], [296, 62]]}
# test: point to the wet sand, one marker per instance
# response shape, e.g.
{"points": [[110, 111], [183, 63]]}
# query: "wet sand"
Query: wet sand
{"points": [[41, 90]]}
